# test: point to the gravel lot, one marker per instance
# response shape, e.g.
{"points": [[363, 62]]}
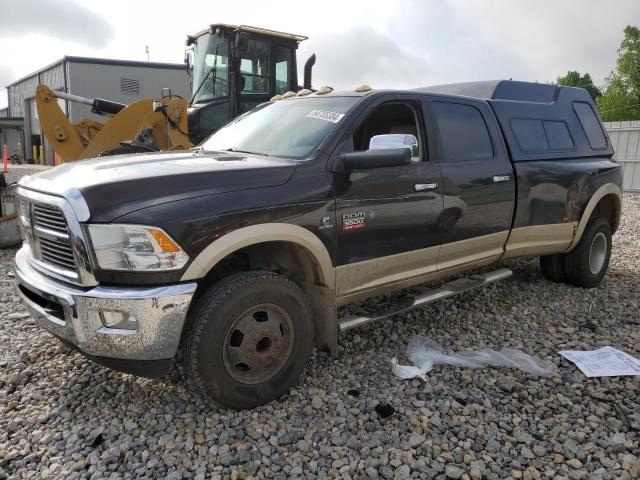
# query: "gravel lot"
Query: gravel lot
{"points": [[64, 417], [16, 171]]}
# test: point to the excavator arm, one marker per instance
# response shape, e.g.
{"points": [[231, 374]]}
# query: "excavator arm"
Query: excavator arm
{"points": [[146, 124]]}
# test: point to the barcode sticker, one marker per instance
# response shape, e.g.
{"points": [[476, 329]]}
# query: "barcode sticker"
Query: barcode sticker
{"points": [[325, 115]]}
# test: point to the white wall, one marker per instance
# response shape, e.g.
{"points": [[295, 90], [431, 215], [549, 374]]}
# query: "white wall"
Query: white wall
{"points": [[625, 137]]}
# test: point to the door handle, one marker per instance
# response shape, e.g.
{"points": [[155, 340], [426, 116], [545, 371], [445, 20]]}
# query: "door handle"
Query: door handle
{"points": [[501, 178], [421, 187]]}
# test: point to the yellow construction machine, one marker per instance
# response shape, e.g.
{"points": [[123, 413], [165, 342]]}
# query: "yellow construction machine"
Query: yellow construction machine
{"points": [[233, 69]]}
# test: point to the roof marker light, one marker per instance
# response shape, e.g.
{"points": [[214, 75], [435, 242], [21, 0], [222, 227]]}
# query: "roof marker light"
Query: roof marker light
{"points": [[288, 94], [275, 98], [303, 92], [324, 90], [363, 88]]}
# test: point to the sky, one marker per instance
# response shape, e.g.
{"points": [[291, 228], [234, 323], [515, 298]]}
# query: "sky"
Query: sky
{"points": [[395, 44]]}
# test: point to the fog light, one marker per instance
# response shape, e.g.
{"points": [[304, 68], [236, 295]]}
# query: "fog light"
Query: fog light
{"points": [[119, 320]]}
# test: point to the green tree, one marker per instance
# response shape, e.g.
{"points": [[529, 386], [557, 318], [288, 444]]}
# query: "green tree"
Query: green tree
{"points": [[621, 97], [574, 79]]}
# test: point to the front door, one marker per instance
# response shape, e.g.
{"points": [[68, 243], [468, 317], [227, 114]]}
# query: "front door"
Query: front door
{"points": [[386, 218]]}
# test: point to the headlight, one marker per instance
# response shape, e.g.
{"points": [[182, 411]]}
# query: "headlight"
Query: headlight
{"points": [[135, 248]]}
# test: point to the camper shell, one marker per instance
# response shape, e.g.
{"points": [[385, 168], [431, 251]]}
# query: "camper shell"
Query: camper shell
{"points": [[539, 121]]}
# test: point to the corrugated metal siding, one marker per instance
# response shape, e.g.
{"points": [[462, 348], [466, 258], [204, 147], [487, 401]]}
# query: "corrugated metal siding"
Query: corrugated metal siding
{"points": [[18, 93], [117, 83], [625, 137]]}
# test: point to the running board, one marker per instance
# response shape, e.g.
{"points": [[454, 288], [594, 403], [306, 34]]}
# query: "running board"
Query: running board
{"points": [[445, 291]]}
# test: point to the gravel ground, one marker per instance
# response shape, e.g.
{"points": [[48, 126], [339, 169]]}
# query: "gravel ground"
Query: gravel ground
{"points": [[63, 417], [14, 172]]}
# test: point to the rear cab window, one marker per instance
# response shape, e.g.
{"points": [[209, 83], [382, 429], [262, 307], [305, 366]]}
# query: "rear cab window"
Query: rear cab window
{"points": [[463, 132]]}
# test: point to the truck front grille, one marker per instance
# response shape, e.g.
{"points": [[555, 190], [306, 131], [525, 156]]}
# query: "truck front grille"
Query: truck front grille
{"points": [[46, 232], [49, 217], [57, 253]]}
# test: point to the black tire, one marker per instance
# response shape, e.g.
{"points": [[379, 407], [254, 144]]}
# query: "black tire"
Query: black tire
{"points": [[552, 267], [583, 267], [269, 365]]}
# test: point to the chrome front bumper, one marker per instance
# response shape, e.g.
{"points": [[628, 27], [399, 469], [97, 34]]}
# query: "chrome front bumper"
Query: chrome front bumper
{"points": [[76, 315]]}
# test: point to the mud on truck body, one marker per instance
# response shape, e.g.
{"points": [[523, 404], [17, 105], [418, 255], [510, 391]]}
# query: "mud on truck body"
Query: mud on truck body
{"points": [[231, 259]]}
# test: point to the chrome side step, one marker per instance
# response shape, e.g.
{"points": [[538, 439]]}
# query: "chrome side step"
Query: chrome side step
{"points": [[445, 291]]}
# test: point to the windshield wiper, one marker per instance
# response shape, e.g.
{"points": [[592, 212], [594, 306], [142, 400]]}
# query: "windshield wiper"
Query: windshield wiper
{"points": [[212, 73], [246, 151]]}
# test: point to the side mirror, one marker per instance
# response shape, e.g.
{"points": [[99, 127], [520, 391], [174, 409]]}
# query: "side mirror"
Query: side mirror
{"points": [[376, 158], [396, 140], [188, 59]]}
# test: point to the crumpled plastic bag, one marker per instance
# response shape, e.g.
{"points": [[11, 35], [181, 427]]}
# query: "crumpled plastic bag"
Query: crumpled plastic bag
{"points": [[424, 353]]}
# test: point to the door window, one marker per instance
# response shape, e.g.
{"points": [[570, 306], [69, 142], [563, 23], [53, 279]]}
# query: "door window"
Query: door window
{"points": [[463, 132], [389, 118], [283, 67], [254, 66]]}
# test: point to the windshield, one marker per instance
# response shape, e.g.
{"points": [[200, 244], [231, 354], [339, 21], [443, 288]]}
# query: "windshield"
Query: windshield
{"points": [[210, 59], [287, 128]]}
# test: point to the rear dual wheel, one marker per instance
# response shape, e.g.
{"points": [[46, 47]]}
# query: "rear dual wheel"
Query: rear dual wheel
{"points": [[586, 265], [249, 339]]}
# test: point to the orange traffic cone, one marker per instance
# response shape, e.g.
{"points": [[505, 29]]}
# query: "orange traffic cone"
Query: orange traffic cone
{"points": [[5, 159]]}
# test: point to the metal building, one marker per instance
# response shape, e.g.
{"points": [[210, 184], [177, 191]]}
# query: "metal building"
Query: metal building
{"points": [[625, 137], [118, 80]]}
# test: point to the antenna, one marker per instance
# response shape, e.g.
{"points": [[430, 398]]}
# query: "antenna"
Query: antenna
{"points": [[146, 48]]}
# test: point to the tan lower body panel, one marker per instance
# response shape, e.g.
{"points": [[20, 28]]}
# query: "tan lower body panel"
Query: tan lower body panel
{"points": [[471, 250], [540, 239], [410, 282], [369, 274], [370, 277]]}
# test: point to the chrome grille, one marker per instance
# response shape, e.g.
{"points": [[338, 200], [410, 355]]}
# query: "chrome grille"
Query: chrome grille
{"points": [[54, 240], [58, 253], [49, 217], [46, 232]]}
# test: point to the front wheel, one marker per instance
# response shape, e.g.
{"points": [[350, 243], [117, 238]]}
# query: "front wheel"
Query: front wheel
{"points": [[249, 339]]}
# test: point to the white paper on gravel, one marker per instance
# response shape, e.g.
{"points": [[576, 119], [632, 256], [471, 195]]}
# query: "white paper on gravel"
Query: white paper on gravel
{"points": [[424, 353], [603, 362]]}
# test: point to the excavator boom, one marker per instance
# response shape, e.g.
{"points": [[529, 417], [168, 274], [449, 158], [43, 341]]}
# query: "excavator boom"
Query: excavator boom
{"points": [[145, 125]]}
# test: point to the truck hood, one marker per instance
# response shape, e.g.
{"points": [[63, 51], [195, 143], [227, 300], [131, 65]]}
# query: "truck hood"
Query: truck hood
{"points": [[114, 186]]}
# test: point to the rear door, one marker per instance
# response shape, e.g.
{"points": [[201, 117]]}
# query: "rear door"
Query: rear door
{"points": [[478, 185]]}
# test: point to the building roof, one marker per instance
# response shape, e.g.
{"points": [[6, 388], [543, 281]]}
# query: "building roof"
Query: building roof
{"points": [[11, 122], [102, 61]]}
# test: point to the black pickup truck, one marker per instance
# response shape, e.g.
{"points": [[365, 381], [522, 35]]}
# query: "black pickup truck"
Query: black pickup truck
{"points": [[231, 259]]}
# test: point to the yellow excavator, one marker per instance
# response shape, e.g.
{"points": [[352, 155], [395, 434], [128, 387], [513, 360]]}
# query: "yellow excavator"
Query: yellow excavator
{"points": [[233, 69]]}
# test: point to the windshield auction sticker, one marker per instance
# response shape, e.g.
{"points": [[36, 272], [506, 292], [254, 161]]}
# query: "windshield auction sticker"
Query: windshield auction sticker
{"points": [[325, 115]]}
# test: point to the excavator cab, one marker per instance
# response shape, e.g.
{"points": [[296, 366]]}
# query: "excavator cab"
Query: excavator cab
{"points": [[233, 69]]}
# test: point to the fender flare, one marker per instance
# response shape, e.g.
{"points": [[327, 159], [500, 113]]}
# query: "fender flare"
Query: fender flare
{"points": [[603, 191], [256, 234]]}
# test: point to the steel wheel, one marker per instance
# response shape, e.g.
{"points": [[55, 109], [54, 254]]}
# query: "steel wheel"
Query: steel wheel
{"points": [[258, 343], [598, 253]]}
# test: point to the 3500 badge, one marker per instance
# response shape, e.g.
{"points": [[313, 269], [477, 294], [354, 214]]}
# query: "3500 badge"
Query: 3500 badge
{"points": [[353, 221]]}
